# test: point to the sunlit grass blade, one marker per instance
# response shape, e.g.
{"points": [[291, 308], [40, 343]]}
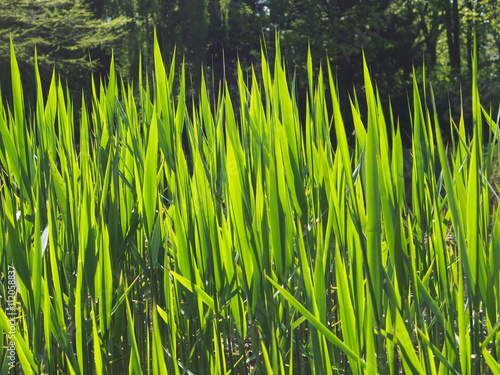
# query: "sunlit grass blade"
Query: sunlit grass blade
{"points": [[372, 195], [317, 323]]}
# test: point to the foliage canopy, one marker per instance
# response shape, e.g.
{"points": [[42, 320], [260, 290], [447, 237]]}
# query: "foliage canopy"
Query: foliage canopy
{"points": [[66, 34]]}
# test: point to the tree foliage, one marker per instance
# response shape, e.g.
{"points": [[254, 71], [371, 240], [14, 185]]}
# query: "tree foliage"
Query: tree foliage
{"points": [[395, 35], [66, 34]]}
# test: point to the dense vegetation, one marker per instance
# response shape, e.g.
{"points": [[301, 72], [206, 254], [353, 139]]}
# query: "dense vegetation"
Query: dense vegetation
{"points": [[153, 234]]}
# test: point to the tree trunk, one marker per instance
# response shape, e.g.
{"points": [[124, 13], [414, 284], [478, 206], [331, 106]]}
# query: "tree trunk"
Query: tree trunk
{"points": [[452, 23], [430, 44], [470, 30], [195, 32]]}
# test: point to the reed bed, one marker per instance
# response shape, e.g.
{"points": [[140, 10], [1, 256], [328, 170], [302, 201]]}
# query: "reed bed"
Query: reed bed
{"points": [[152, 234]]}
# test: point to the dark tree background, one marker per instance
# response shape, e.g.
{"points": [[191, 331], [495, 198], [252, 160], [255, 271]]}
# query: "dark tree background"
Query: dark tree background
{"points": [[77, 38]]}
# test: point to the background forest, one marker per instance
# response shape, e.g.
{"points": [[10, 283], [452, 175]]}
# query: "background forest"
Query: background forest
{"points": [[78, 37]]}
